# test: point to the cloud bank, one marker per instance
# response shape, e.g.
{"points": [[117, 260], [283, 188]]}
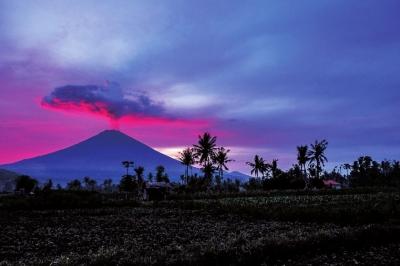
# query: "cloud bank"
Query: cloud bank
{"points": [[108, 101]]}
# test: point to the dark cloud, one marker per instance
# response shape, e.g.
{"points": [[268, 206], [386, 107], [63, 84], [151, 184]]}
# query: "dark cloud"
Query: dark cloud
{"points": [[107, 101]]}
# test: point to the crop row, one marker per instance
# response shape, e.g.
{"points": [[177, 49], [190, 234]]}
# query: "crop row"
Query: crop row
{"points": [[343, 209]]}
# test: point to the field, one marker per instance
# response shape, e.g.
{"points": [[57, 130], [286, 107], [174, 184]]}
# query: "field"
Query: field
{"points": [[277, 229]]}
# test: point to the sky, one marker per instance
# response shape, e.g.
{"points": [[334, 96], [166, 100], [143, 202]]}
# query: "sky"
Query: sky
{"points": [[263, 76]]}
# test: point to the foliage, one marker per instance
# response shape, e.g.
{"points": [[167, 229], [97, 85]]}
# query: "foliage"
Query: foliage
{"points": [[205, 148], [221, 160], [367, 172], [139, 171], [161, 176], [258, 166], [65, 199], [25, 183], [48, 186], [188, 158], [337, 208], [74, 185], [90, 184], [128, 183], [127, 165], [108, 185], [317, 155]]}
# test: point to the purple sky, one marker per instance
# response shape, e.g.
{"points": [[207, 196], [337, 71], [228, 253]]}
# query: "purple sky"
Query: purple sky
{"points": [[264, 76]]}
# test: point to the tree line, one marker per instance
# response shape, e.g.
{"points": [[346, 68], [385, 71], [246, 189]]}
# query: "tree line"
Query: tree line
{"points": [[308, 172]]}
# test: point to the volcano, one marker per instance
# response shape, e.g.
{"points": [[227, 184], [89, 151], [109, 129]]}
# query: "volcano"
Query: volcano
{"points": [[98, 157]]}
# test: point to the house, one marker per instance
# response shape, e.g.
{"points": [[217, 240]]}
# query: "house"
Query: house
{"points": [[330, 183], [156, 190]]}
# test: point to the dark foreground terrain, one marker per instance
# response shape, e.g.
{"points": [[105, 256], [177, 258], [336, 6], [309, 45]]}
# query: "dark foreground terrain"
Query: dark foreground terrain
{"points": [[209, 232]]}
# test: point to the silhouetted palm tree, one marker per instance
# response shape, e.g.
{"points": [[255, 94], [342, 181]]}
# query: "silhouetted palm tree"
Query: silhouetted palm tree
{"points": [[48, 185], [221, 159], [205, 148], [90, 184], [107, 184], [127, 164], [187, 157], [208, 170], [258, 166], [385, 167], [347, 167], [74, 185], [317, 155], [86, 181], [25, 183], [161, 176], [139, 175], [302, 158], [274, 168], [150, 177]]}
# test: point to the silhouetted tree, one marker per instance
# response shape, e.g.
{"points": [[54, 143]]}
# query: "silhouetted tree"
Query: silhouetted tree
{"points": [[274, 168], [150, 177], [205, 148], [386, 167], [366, 172], [25, 183], [127, 184], [74, 185], [161, 176], [90, 184], [127, 165], [317, 155], [221, 159], [107, 185], [140, 176], [187, 157], [208, 170], [258, 166], [48, 186], [347, 167], [302, 159]]}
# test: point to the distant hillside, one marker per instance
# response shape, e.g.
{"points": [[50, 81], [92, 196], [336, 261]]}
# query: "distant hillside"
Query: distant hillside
{"points": [[237, 175], [7, 180]]}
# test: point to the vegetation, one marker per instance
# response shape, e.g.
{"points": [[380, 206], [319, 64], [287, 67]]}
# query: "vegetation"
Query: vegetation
{"points": [[204, 232], [307, 173], [340, 208], [25, 183], [161, 176], [276, 217], [258, 166], [188, 158]]}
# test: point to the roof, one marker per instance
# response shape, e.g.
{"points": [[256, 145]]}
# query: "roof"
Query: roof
{"points": [[330, 182], [158, 185]]}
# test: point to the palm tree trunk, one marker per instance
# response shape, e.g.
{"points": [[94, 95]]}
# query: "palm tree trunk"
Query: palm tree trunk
{"points": [[187, 173], [304, 170]]}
